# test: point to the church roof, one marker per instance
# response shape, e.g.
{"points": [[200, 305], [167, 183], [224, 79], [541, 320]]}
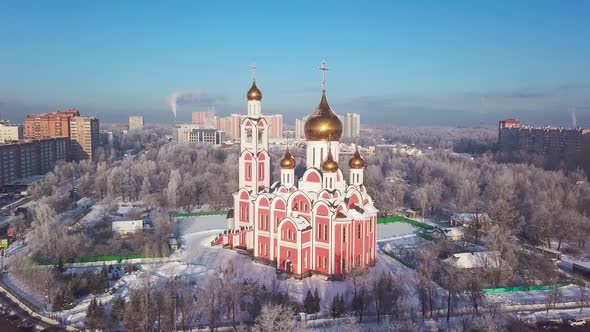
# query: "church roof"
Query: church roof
{"points": [[301, 223]]}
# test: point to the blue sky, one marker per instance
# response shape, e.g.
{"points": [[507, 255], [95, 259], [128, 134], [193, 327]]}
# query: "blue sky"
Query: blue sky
{"points": [[429, 62]]}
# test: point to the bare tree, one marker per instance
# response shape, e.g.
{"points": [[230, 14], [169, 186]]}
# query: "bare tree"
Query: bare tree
{"points": [[582, 301], [277, 318], [172, 189], [426, 256], [210, 302]]}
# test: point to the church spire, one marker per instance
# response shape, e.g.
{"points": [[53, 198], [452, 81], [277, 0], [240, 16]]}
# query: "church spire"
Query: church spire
{"points": [[254, 93]]}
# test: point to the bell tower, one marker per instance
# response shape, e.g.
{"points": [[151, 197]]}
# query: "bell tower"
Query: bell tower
{"points": [[254, 170]]}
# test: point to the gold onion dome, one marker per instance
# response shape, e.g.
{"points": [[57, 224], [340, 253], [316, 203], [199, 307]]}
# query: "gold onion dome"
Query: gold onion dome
{"points": [[329, 165], [323, 124], [288, 162], [254, 93], [356, 162]]}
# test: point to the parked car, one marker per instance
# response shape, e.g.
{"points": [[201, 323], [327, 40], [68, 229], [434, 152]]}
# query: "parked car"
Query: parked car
{"points": [[577, 322]]}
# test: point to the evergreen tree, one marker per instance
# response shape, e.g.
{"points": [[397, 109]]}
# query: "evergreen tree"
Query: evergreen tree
{"points": [[316, 301], [335, 307], [254, 308], [309, 303], [118, 310], [91, 313], [100, 316], [341, 305], [58, 302], [68, 298]]}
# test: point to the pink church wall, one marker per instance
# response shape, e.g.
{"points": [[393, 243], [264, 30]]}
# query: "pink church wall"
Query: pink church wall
{"points": [[320, 253], [263, 247], [288, 254], [306, 260]]}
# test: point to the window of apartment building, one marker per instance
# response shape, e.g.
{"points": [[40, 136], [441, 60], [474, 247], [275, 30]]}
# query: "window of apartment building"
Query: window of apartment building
{"points": [[325, 232], [359, 233]]}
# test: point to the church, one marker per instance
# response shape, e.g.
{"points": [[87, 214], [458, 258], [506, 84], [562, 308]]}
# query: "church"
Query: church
{"points": [[322, 223]]}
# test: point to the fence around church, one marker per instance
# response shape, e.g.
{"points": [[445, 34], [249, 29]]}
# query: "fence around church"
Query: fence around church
{"points": [[390, 219], [198, 214]]}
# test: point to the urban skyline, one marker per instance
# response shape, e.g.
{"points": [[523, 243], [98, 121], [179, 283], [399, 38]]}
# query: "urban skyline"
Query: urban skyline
{"points": [[522, 60]]}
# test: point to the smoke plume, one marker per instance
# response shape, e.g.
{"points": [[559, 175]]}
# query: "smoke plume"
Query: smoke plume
{"points": [[574, 120], [190, 98]]}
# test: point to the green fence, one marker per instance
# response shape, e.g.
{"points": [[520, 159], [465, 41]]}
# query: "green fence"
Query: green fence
{"points": [[198, 214], [522, 288], [89, 259], [95, 259], [387, 220]]}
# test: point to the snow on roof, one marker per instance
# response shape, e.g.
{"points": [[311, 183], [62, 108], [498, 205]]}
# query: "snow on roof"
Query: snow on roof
{"points": [[301, 223], [468, 216], [454, 231], [370, 208], [126, 220], [468, 260]]}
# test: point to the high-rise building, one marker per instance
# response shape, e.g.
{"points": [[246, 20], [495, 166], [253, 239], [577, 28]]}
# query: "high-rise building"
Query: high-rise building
{"points": [[31, 157], [204, 119], [192, 133], [275, 125], [555, 145], [84, 136], [136, 122], [299, 128], [231, 125], [351, 125], [10, 132], [106, 137], [54, 124]]}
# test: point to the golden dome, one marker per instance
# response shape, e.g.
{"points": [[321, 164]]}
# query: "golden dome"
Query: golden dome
{"points": [[254, 93], [288, 162], [323, 124], [330, 165], [356, 162]]}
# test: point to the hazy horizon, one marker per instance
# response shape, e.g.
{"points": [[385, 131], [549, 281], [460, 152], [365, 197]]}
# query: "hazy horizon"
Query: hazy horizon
{"points": [[465, 64]]}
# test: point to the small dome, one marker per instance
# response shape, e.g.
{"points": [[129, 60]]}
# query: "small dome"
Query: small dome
{"points": [[356, 162], [323, 124], [254, 93], [330, 165], [288, 162]]}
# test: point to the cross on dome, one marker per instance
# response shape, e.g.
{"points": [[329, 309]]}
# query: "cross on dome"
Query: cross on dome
{"points": [[323, 68]]}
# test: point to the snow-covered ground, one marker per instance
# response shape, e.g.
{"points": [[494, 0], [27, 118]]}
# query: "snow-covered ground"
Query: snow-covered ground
{"points": [[196, 259], [394, 230]]}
